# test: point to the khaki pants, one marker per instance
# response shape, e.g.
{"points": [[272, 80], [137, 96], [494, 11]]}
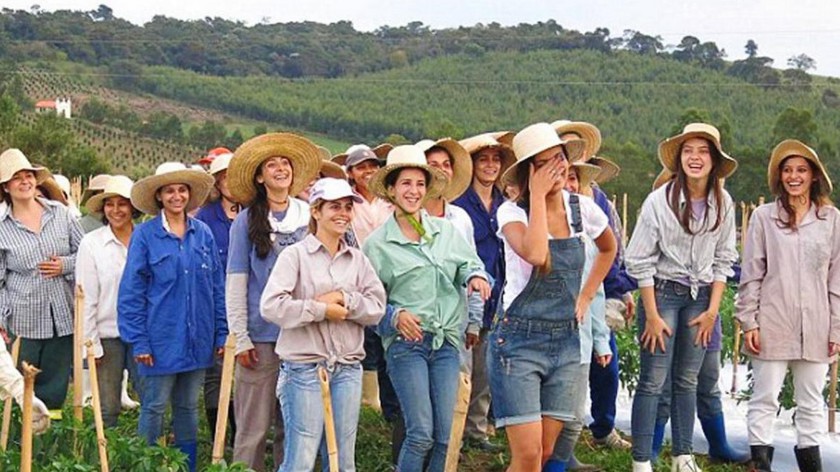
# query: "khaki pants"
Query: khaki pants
{"points": [[255, 408], [473, 363]]}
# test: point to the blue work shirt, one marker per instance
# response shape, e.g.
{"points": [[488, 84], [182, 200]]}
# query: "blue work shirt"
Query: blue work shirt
{"points": [[617, 282], [171, 302], [213, 215], [487, 243]]}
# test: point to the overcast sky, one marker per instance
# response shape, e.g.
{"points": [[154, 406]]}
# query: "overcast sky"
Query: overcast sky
{"points": [[781, 28]]}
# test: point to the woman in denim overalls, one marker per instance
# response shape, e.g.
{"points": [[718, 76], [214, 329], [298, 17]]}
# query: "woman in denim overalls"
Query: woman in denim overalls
{"points": [[534, 349]]}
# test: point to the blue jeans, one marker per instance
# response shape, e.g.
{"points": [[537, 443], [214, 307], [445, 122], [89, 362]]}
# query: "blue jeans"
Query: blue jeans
{"points": [[299, 393], [708, 391], [182, 390], [603, 391], [677, 309], [426, 382]]}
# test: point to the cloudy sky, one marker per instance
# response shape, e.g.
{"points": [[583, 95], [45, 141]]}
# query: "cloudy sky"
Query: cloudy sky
{"points": [[781, 28]]}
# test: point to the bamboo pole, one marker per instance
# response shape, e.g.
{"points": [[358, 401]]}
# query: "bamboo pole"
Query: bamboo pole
{"points": [[329, 421], [29, 374], [7, 409], [736, 344], [78, 366], [101, 442], [459, 418], [224, 398], [624, 218], [832, 397]]}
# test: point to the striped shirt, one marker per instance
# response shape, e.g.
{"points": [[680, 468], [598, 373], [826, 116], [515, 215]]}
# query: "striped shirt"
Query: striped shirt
{"points": [[660, 247], [32, 306]]}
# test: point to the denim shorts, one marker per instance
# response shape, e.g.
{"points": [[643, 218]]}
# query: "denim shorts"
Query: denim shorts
{"points": [[533, 366]]}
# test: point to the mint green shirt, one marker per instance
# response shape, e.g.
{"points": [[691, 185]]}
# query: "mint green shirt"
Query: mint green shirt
{"points": [[426, 278]]}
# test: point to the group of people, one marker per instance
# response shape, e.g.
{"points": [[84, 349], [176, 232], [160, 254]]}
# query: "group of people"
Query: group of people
{"points": [[393, 271]]}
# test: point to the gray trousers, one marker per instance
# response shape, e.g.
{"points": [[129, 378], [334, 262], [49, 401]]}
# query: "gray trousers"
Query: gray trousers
{"points": [[116, 357]]}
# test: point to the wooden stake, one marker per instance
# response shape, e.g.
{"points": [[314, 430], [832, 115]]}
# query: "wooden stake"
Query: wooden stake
{"points": [[7, 408], [832, 397], [224, 398], [78, 365], [736, 342], [29, 374], [101, 442], [459, 418], [329, 421], [624, 218]]}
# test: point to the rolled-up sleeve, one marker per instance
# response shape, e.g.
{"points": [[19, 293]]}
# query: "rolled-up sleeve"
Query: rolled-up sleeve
{"points": [[277, 304], [726, 253], [643, 251], [753, 270]]}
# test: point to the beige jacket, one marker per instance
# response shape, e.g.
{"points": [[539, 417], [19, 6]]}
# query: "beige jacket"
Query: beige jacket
{"points": [[790, 284]]}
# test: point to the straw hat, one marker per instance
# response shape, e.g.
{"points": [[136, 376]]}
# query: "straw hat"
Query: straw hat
{"points": [[143, 192], [663, 178], [117, 186], [586, 172], [95, 185], [13, 161], [586, 131], [301, 153], [609, 169], [53, 191], [504, 137], [478, 143], [407, 156], [793, 147], [462, 167], [331, 169], [380, 151], [220, 162], [669, 150], [535, 139]]}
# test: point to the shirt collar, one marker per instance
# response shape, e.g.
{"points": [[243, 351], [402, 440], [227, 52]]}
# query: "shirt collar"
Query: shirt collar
{"points": [[395, 235], [162, 226], [312, 245], [495, 195]]}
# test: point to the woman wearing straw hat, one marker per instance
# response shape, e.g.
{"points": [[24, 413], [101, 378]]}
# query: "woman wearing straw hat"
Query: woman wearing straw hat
{"points": [[328, 169], [533, 353], [95, 186], [322, 293], [218, 215], [682, 252], [264, 175], [787, 301], [38, 244], [171, 301], [424, 263], [99, 268]]}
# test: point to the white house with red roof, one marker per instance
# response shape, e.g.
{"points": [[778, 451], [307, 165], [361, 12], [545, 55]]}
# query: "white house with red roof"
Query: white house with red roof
{"points": [[59, 106]]}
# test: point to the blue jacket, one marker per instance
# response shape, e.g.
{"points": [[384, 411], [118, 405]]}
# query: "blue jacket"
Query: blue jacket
{"points": [[213, 215], [171, 302]]}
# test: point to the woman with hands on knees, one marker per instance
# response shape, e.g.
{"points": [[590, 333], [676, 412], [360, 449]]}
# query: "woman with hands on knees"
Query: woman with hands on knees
{"points": [[681, 252], [322, 293], [534, 348], [789, 301], [424, 263]]}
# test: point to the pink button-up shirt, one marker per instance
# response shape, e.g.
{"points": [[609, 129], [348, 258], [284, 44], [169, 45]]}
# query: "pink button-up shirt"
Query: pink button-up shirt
{"points": [[369, 216]]}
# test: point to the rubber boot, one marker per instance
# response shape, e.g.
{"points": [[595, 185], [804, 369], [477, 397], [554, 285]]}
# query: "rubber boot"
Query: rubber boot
{"points": [[761, 457], [719, 449], [554, 466], [684, 463], [808, 459], [370, 390], [658, 439], [191, 450]]}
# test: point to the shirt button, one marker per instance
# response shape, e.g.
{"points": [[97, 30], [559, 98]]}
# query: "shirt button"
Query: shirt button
{"points": [[186, 271]]}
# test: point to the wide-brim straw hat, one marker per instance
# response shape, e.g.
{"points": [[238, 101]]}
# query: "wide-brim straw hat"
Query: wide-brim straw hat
{"points": [[663, 178], [535, 139], [331, 169], [401, 157], [585, 131], [381, 152], [95, 185], [586, 172], [504, 137], [117, 186], [609, 169], [301, 153], [793, 147], [669, 150], [144, 190], [475, 144], [462, 167], [52, 190], [13, 161]]}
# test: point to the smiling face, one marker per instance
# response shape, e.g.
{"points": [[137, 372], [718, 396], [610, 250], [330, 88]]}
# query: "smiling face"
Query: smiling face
{"points": [[174, 198], [362, 172], [117, 211], [487, 164], [439, 159], [276, 174], [22, 185], [797, 176], [409, 189], [696, 159], [547, 156], [334, 217], [572, 181]]}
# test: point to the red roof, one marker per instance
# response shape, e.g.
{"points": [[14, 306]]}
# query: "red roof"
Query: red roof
{"points": [[45, 104]]}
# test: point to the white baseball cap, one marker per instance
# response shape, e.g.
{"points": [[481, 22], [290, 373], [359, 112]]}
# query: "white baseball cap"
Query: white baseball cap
{"points": [[331, 189]]}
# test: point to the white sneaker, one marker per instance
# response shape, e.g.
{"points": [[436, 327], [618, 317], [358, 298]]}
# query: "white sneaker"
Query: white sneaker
{"points": [[642, 467], [684, 463], [126, 401]]}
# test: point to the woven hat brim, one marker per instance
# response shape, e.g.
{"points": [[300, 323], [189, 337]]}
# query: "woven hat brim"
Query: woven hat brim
{"points": [[609, 169], [587, 173], [143, 191], [301, 152], [462, 169], [505, 152], [574, 152], [670, 148], [433, 190], [792, 147], [663, 178], [587, 131], [97, 202], [331, 169]]}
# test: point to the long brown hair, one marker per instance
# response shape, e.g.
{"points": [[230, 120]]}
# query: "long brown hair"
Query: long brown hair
{"points": [[679, 186], [259, 229], [817, 194]]}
